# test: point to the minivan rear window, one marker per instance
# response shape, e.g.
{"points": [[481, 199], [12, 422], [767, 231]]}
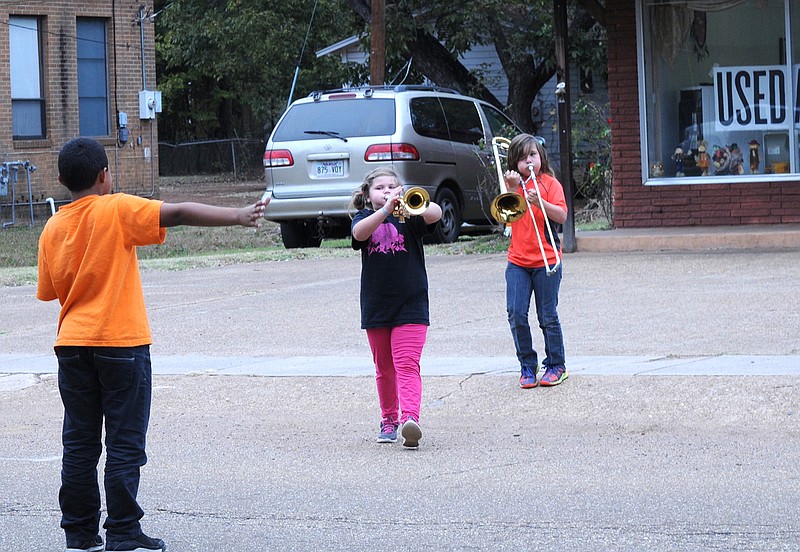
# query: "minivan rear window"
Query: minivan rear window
{"points": [[346, 118]]}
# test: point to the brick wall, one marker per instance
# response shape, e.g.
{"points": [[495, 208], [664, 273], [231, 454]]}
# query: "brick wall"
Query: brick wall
{"points": [[134, 165], [640, 206]]}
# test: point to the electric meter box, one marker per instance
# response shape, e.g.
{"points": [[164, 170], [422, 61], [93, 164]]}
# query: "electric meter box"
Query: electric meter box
{"points": [[149, 104]]}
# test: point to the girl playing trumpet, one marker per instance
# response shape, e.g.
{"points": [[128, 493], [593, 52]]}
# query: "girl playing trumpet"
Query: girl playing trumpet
{"points": [[527, 272], [394, 298]]}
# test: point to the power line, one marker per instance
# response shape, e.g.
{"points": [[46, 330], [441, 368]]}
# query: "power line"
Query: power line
{"points": [[137, 20]]}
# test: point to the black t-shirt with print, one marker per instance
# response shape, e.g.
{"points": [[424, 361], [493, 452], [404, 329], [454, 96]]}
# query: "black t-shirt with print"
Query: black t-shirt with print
{"points": [[394, 283]]}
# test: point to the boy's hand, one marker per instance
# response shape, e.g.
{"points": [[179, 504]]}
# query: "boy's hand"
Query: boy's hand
{"points": [[251, 216]]}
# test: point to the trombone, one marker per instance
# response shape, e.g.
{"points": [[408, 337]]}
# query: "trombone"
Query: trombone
{"points": [[509, 207], [415, 201]]}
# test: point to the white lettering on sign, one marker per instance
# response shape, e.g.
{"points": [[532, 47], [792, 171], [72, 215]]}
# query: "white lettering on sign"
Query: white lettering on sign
{"points": [[751, 98]]}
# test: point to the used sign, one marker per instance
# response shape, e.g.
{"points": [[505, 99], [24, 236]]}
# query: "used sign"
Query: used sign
{"points": [[753, 98]]}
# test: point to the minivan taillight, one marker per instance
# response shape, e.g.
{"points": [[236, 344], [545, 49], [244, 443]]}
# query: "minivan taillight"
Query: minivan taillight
{"points": [[278, 158], [391, 152]]}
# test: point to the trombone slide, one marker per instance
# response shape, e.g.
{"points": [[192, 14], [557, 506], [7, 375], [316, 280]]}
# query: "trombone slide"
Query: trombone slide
{"points": [[548, 269]]}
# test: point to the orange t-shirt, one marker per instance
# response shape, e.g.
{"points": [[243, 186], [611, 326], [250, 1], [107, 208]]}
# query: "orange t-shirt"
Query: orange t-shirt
{"points": [[524, 249], [87, 260]]}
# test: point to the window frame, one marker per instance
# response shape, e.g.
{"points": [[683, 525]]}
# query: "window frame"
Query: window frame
{"points": [[89, 118], [41, 99], [645, 55]]}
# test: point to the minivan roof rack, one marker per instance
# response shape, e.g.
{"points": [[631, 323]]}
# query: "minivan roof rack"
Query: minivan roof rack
{"points": [[316, 94]]}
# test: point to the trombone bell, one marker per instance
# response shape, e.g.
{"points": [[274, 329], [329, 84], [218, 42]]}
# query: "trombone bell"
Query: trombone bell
{"points": [[508, 207]]}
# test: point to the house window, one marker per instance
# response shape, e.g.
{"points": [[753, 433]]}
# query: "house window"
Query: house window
{"points": [[92, 77], [719, 90], [27, 70]]}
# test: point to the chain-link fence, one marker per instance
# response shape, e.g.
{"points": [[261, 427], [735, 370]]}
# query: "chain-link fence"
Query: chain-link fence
{"points": [[242, 158]]}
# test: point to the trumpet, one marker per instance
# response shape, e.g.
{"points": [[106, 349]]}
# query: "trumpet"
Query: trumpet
{"points": [[508, 207], [414, 201]]}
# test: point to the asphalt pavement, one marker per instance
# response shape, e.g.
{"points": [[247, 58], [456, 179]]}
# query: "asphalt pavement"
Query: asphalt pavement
{"points": [[677, 429]]}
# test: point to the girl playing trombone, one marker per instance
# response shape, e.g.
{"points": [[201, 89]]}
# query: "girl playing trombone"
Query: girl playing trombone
{"points": [[531, 255]]}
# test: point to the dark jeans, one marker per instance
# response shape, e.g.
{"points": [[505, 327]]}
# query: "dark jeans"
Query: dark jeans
{"points": [[115, 384], [521, 284]]}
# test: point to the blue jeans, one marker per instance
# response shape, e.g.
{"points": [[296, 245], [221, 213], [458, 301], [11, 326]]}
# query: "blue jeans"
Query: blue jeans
{"points": [[97, 383], [521, 284]]}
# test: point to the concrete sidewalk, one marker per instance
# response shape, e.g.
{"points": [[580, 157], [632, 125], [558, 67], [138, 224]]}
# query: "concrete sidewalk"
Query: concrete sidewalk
{"points": [[772, 237], [321, 366]]}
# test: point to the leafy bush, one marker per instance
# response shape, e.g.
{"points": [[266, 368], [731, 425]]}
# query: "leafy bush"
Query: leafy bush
{"points": [[591, 143]]}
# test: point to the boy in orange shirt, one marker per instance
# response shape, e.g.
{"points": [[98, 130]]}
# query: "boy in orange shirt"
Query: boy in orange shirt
{"points": [[87, 260]]}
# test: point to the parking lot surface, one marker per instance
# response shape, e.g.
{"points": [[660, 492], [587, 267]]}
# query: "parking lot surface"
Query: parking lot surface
{"points": [[677, 429]]}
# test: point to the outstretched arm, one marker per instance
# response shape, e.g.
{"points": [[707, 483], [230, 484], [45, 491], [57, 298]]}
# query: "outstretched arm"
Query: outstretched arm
{"points": [[432, 214], [200, 214]]}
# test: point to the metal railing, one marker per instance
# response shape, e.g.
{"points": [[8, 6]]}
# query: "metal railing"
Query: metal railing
{"points": [[9, 176]]}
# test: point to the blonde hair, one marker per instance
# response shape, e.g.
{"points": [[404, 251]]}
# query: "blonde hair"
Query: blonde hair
{"points": [[519, 148], [360, 199]]}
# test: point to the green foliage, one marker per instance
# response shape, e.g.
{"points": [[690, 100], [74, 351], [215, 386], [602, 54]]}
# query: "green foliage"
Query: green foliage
{"points": [[226, 67], [591, 143]]}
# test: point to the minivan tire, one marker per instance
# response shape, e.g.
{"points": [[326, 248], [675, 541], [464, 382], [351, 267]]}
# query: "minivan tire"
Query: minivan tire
{"points": [[450, 224], [300, 234]]}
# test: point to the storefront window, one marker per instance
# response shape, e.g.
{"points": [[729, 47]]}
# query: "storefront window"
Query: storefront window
{"points": [[719, 82]]}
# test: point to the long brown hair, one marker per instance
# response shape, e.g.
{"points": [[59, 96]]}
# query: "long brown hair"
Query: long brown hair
{"points": [[519, 148], [360, 199]]}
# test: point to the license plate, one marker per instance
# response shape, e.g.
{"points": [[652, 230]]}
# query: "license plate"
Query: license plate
{"points": [[329, 168]]}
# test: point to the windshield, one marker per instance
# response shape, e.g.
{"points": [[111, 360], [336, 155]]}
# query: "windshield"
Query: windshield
{"points": [[340, 118]]}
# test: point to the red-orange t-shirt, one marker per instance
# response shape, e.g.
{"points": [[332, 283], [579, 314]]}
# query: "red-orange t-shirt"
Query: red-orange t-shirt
{"points": [[87, 260], [524, 249]]}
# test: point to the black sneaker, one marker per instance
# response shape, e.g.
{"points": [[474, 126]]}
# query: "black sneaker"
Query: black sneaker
{"points": [[142, 543], [388, 432], [94, 545]]}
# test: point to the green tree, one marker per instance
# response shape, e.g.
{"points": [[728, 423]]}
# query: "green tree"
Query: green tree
{"points": [[433, 33], [226, 67]]}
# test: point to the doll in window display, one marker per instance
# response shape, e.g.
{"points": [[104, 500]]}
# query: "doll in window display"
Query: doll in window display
{"points": [[727, 160], [703, 159], [754, 160], [737, 159], [678, 158]]}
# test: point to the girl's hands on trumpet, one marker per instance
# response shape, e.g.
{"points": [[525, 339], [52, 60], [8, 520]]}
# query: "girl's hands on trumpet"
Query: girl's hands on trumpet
{"points": [[392, 198]]}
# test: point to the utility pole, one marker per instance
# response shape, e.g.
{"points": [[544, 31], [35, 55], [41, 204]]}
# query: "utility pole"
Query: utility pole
{"points": [[564, 119], [377, 52]]}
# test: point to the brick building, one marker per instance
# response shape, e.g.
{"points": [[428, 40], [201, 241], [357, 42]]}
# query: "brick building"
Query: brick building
{"points": [[72, 69], [714, 75]]}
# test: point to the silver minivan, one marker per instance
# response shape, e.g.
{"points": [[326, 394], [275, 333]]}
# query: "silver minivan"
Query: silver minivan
{"points": [[324, 145]]}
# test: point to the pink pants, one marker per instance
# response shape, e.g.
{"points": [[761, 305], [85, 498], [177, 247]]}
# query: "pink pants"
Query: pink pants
{"points": [[396, 352]]}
